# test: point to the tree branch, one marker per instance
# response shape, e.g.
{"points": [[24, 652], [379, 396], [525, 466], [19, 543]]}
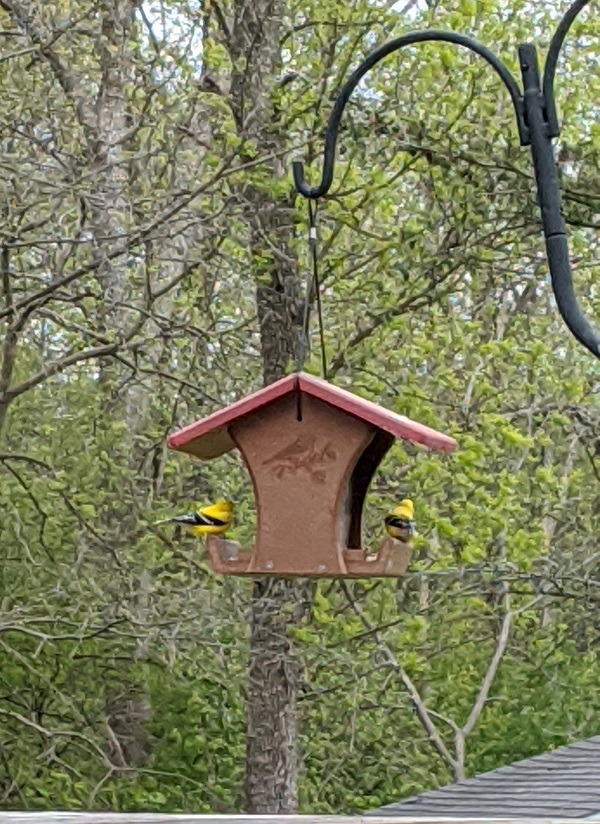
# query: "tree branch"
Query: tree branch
{"points": [[489, 677], [23, 14], [421, 710], [58, 366]]}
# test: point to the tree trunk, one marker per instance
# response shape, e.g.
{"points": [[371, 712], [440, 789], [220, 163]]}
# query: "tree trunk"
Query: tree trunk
{"points": [[128, 709], [272, 757], [273, 678]]}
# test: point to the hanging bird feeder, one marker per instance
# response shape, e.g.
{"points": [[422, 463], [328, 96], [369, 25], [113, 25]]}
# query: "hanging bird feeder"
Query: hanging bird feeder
{"points": [[311, 450]]}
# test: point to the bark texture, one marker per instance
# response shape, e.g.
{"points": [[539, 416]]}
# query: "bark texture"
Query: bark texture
{"points": [[128, 710], [272, 758]]}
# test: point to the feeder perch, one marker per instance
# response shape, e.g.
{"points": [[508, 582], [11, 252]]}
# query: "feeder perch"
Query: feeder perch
{"points": [[311, 450]]}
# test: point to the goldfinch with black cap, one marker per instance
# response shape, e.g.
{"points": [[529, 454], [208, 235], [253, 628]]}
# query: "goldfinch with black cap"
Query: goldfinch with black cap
{"points": [[400, 523], [215, 519]]}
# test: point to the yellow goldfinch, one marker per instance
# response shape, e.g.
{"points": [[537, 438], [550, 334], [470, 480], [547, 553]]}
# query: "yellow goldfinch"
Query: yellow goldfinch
{"points": [[399, 523], [215, 519]]}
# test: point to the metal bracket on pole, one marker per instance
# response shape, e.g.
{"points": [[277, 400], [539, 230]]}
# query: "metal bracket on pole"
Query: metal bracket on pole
{"points": [[537, 123]]}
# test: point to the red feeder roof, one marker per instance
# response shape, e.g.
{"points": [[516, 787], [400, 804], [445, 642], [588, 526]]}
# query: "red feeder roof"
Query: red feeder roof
{"points": [[209, 437]]}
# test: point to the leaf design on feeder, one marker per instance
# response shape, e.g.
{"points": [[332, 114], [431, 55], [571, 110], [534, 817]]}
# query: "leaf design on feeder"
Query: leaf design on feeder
{"points": [[302, 454]]}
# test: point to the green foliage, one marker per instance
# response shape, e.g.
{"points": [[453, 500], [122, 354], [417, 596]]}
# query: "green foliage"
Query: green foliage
{"points": [[122, 657]]}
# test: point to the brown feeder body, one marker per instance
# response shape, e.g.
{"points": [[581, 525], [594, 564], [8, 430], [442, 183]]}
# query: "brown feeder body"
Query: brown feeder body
{"points": [[311, 450]]}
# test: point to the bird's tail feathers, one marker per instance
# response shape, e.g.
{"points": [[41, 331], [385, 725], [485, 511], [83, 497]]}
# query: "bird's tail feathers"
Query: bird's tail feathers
{"points": [[185, 520]]}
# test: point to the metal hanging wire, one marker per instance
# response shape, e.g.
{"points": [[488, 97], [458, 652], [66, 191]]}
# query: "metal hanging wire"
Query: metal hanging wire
{"points": [[312, 290]]}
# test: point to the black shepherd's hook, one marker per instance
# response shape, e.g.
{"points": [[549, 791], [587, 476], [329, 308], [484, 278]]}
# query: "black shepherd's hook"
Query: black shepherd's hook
{"points": [[537, 122]]}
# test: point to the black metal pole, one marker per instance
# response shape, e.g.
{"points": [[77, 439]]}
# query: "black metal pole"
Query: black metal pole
{"points": [[537, 122], [546, 177]]}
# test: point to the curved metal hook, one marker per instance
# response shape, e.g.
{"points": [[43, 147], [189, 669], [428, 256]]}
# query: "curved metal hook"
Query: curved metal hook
{"points": [[537, 123], [542, 120], [552, 59], [371, 60]]}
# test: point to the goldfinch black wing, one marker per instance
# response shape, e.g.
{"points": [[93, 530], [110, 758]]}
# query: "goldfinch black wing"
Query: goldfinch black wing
{"points": [[199, 519], [400, 523]]}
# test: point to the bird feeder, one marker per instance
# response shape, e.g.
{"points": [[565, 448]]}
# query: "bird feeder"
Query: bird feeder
{"points": [[311, 450]]}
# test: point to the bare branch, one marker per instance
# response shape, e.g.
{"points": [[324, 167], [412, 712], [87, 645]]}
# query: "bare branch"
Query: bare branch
{"points": [[489, 677], [58, 366], [420, 708], [23, 14]]}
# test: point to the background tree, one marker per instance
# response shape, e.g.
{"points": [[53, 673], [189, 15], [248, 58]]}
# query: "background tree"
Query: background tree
{"points": [[152, 266]]}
